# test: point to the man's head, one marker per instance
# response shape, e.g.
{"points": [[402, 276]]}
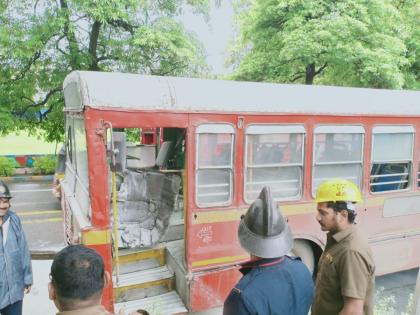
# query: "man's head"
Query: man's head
{"points": [[263, 231], [77, 278], [5, 197], [336, 204]]}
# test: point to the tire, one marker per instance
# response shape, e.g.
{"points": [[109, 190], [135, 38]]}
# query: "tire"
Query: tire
{"points": [[303, 249]]}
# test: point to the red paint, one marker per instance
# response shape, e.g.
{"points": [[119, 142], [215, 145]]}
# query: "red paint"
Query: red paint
{"points": [[211, 289]]}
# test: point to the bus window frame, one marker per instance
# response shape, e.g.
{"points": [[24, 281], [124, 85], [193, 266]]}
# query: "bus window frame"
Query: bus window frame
{"points": [[337, 129], [71, 163], [215, 128], [389, 129], [82, 171], [278, 128]]}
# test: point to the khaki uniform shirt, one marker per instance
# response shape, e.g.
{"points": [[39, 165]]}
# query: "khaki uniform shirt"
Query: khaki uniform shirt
{"points": [[93, 310], [345, 269]]}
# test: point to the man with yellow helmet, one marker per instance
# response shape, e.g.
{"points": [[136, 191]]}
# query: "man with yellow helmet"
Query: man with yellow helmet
{"points": [[346, 271]]}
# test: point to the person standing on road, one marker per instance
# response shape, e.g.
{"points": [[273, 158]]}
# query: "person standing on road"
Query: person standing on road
{"points": [[77, 278], [272, 283], [15, 260], [346, 271]]}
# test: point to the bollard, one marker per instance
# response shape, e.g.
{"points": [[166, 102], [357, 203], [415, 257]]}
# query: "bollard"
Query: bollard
{"points": [[417, 296]]}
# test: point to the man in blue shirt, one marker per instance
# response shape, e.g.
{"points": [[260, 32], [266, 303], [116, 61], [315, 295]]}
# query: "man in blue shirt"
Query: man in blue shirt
{"points": [[272, 283], [15, 260]]}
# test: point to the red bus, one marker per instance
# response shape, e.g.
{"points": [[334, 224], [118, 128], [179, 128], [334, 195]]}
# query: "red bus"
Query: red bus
{"points": [[164, 214]]}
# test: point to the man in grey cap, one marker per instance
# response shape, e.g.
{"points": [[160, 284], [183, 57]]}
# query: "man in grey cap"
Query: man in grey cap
{"points": [[272, 282], [15, 260]]}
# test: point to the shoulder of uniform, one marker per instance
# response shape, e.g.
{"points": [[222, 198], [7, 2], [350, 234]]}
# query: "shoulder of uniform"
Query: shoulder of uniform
{"points": [[245, 281], [294, 258], [236, 290]]}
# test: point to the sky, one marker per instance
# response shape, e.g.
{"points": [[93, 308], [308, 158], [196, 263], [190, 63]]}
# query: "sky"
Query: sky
{"points": [[214, 34]]}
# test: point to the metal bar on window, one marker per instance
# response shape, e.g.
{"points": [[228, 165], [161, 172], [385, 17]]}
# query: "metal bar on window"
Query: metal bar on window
{"points": [[213, 185], [321, 179], [338, 163], [253, 191], [388, 175], [389, 183], [213, 194], [391, 161], [274, 182], [274, 165], [215, 167]]}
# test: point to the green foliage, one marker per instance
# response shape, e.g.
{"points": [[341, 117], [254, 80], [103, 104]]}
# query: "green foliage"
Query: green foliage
{"points": [[42, 41], [133, 135], [385, 304], [351, 42], [6, 167], [45, 165]]}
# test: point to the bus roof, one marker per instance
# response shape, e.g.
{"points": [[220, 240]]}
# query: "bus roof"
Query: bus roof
{"points": [[110, 90]]}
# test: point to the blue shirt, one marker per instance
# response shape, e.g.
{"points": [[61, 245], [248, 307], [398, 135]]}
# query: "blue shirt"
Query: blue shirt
{"points": [[15, 262], [275, 286]]}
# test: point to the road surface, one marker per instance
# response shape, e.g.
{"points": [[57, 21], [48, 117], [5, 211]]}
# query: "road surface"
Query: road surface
{"points": [[40, 213]]}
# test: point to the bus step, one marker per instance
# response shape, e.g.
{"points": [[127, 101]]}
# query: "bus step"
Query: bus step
{"points": [[142, 284], [131, 260], [165, 304]]}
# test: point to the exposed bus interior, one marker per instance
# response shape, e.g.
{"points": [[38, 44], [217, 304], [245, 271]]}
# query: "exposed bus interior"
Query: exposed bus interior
{"points": [[149, 185], [149, 266]]}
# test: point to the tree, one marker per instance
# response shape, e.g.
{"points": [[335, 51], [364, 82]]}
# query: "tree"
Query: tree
{"points": [[42, 41], [350, 42], [410, 10]]}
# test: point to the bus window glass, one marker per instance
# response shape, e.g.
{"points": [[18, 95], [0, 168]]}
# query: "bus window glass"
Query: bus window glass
{"points": [[274, 158], [214, 165], [70, 169], [392, 153], [82, 183], [338, 152]]}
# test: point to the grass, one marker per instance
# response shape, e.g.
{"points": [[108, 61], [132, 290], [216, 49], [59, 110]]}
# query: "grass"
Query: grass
{"points": [[22, 144]]}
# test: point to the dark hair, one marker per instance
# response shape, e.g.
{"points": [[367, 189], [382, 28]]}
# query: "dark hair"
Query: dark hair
{"points": [[77, 273], [339, 206], [144, 312]]}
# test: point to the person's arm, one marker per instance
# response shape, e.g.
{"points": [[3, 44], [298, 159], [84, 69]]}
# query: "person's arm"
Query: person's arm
{"points": [[26, 259], [352, 307], [355, 278]]}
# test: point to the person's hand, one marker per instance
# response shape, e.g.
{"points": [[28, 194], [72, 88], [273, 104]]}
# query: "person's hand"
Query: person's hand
{"points": [[28, 289]]}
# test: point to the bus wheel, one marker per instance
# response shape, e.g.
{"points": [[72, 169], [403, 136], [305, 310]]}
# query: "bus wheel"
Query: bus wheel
{"points": [[303, 249]]}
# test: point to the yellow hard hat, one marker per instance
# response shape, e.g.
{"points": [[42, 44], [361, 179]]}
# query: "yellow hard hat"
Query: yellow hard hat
{"points": [[338, 190]]}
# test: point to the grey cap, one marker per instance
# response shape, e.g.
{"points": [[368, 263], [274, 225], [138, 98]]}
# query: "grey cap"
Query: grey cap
{"points": [[263, 231], [4, 190]]}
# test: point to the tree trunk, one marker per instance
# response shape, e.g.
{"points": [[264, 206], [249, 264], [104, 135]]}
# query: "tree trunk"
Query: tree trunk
{"points": [[310, 73], [93, 44]]}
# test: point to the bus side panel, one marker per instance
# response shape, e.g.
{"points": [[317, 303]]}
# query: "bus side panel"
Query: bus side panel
{"points": [[215, 244], [210, 289], [396, 255], [394, 240], [99, 196]]}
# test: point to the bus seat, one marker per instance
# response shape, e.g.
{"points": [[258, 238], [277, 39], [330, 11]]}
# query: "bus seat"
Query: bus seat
{"points": [[165, 152], [388, 169]]}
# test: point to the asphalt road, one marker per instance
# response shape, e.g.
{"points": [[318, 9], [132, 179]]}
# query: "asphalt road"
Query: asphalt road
{"points": [[42, 221], [40, 213]]}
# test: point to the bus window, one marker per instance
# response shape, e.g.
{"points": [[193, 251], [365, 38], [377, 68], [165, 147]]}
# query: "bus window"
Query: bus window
{"points": [[392, 153], [274, 157], [338, 152], [214, 169], [82, 184]]}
